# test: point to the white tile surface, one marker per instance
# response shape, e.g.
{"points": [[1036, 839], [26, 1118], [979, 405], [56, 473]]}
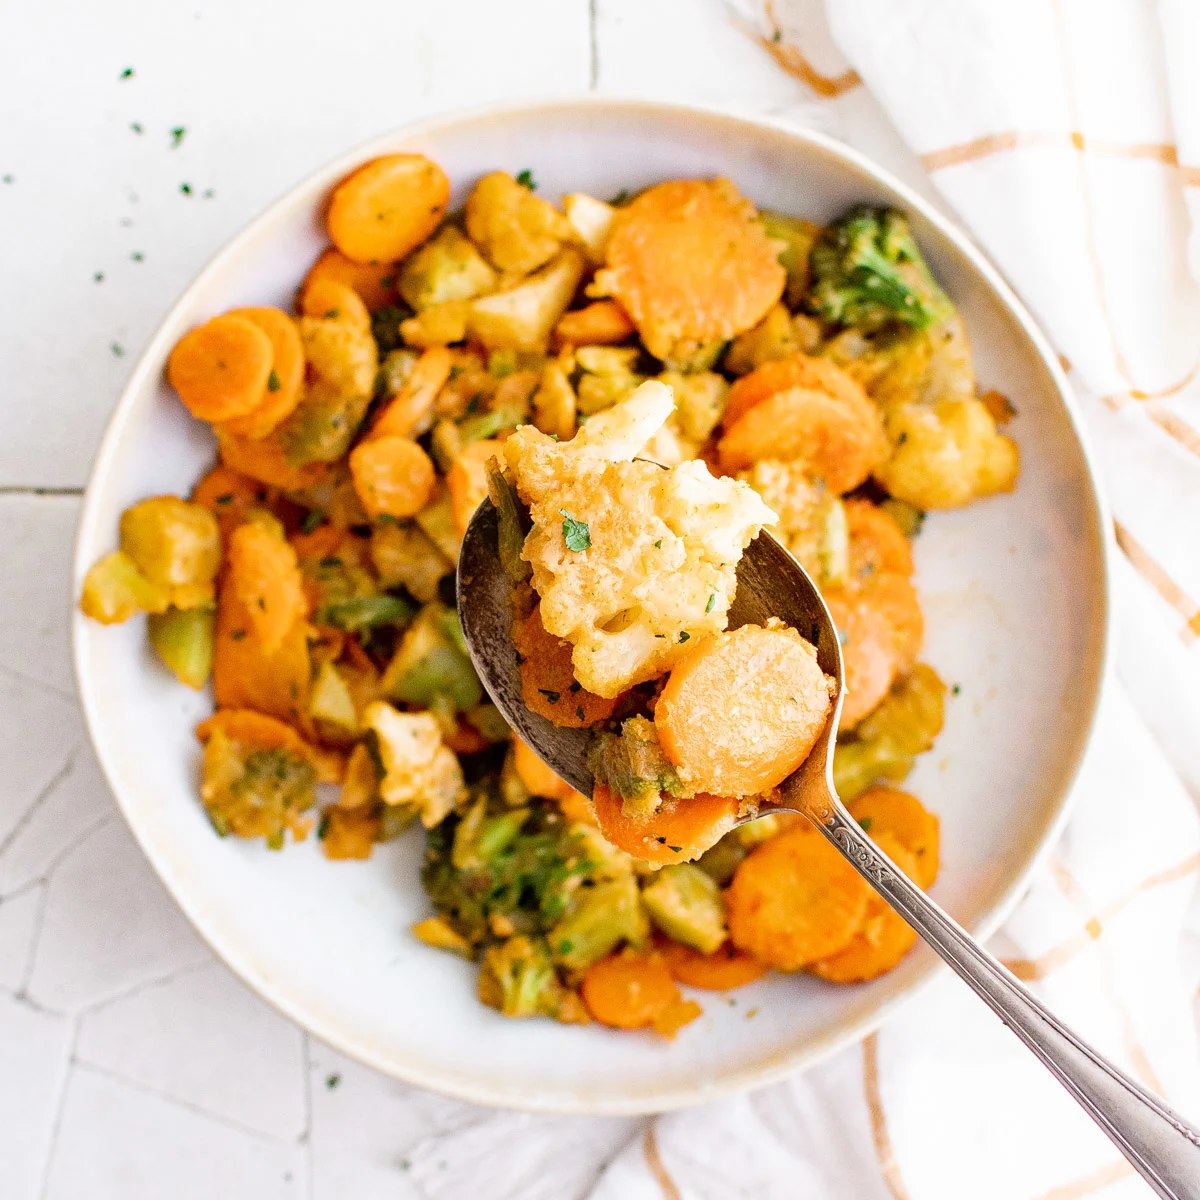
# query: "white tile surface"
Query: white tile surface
{"points": [[119, 1142], [33, 1056], [109, 925], [201, 1038], [181, 1084]]}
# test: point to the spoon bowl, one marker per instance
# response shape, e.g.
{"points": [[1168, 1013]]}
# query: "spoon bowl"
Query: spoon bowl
{"points": [[1161, 1146]]}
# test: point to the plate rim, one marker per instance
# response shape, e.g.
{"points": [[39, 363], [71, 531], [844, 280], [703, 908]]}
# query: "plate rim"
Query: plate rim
{"points": [[783, 1063]]}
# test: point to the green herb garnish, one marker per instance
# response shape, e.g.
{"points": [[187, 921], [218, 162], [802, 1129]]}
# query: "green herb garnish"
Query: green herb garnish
{"points": [[526, 180], [711, 601], [553, 697], [576, 533], [273, 384]]}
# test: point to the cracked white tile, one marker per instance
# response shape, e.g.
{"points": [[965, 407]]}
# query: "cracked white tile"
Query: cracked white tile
{"points": [[20, 916], [116, 1140], [109, 925], [203, 1037], [38, 735], [37, 535], [74, 803], [35, 1052]]}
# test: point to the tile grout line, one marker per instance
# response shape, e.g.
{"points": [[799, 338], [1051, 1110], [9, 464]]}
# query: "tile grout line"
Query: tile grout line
{"points": [[593, 45], [38, 684], [43, 794], [56, 1126], [29, 489]]}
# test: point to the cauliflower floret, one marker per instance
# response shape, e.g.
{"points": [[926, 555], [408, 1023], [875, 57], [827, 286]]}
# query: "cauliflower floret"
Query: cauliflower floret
{"points": [[947, 455], [418, 770], [630, 561], [812, 521]]}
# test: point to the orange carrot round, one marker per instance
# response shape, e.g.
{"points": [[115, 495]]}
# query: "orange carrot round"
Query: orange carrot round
{"points": [[220, 369], [548, 684], [679, 831], [629, 990], [266, 580], [882, 939], [393, 476], [229, 496], [387, 207], [285, 379], [795, 900], [329, 299], [266, 461], [799, 371], [742, 711], [868, 654], [886, 810], [536, 776], [399, 417], [841, 442], [722, 971], [375, 283], [893, 597], [877, 543]]}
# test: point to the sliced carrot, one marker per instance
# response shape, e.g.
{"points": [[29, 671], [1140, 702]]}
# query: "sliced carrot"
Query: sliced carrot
{"points": [[800, 370], [264, 576], [245, 674], [629, 990], [742, 711], [722, 971], [690, 263], [229, 496], [393, 476], [348, 833], [286, 379], [329, 300], [868, 653], [679, 831], [675, 1016], [877, 543], [375, 283], [401, 414], [387, 207], [536, 776], [548, 683], [604, 323], [220, 369], [794, 900], [887, 810], [839, 441], [883, 938], [467, 480], [266, 461], [893, 596], [321, 543]]}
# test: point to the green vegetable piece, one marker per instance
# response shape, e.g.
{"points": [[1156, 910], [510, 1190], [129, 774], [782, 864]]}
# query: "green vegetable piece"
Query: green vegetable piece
{"points": [[184, 641], [633, 765], [907, 516], [366, 612], [598, 920], [448, 267], [432, 662], [867, 271], [720, 862], [576, 533], [685, 903], [322, 427], [511, 523], [798, 237], [488, 424], [498, 833], [518, 978], [385, 329]]}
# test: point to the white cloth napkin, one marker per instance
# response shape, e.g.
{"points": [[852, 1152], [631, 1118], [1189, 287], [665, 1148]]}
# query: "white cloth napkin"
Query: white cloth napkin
{"points": [[1065, 134]]}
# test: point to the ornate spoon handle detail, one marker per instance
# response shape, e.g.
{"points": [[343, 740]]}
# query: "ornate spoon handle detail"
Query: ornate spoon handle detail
{"points": [[1163, 1148]]}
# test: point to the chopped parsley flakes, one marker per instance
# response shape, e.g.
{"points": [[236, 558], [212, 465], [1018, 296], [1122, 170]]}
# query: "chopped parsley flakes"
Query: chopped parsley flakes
{"points": [[526, 180], [273, 384]]}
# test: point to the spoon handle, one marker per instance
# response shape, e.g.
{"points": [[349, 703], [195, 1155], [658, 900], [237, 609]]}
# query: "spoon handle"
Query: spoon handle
{"points": [[1163, 1148]]}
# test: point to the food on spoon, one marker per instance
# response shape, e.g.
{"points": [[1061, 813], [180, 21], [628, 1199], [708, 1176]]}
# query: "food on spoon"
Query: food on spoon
{"points": [[432, 361]]}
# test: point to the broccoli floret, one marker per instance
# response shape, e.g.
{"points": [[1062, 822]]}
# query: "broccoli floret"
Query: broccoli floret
{"points": [[633, 765], [509, 871], [254, 793], [518, 977], [867, 271]]}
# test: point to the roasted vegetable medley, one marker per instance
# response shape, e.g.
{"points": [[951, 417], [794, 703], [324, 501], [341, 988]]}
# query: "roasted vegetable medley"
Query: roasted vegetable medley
{"points": [[813, 380]]}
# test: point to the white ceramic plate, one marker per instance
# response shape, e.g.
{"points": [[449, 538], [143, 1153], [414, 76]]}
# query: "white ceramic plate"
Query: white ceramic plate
{"points": [[1014, 591]]}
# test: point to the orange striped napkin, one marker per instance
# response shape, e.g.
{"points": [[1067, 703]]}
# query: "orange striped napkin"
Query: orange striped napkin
{"points": [[1065, 134]]}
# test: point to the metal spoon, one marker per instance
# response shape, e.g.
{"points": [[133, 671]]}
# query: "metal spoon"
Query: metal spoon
{"points": [[1160, 1145]]}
